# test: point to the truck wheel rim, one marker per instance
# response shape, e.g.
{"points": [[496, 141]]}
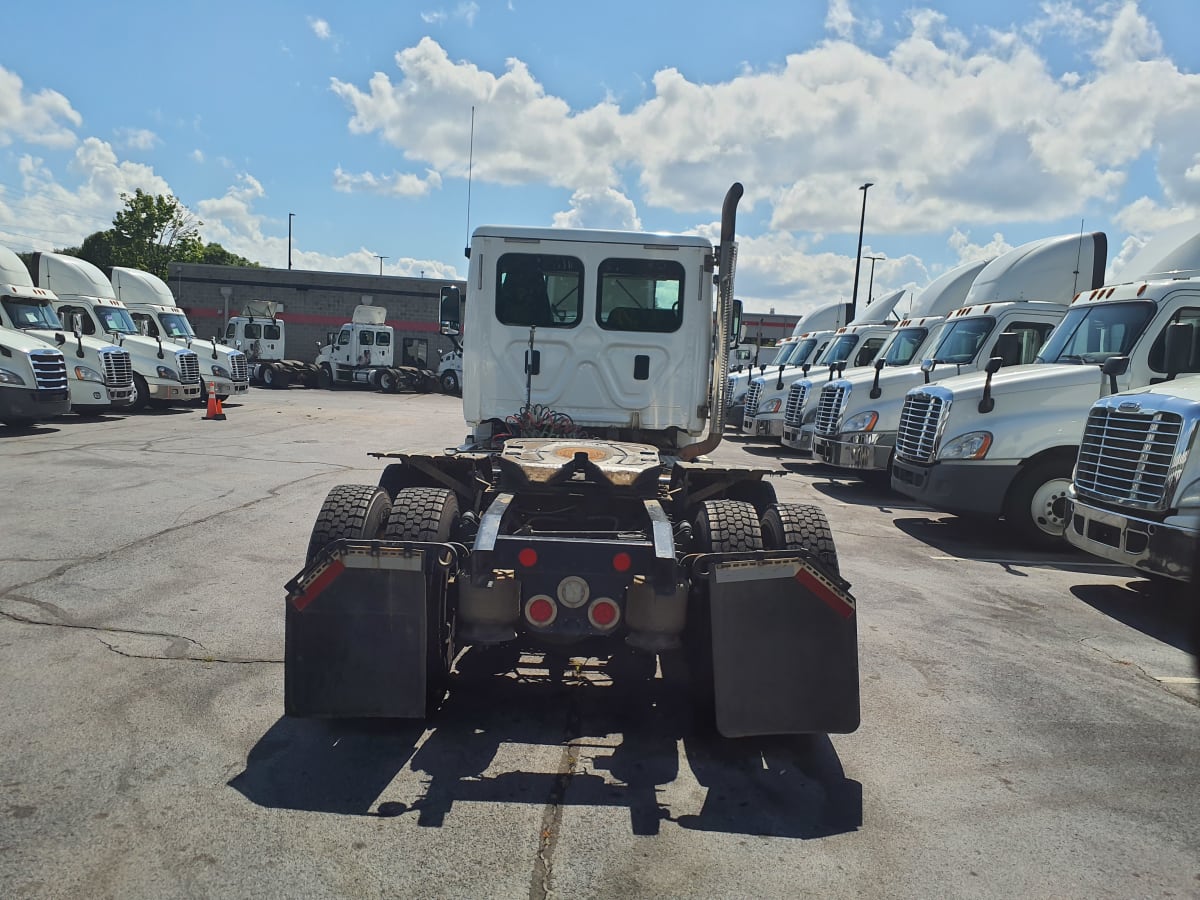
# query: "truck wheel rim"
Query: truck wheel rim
{"points": [[1049, 506]]}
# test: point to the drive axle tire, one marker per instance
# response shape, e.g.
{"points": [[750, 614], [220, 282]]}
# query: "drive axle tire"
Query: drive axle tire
{"points": [[728, 526], [1036, 504], [325, 378], [388, 381], [449, 382], [800, 526], [423, 514], [350, 512]]}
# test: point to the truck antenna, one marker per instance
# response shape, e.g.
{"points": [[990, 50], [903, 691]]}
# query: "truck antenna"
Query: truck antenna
{"points": [[1078, 253], [470, 166]]}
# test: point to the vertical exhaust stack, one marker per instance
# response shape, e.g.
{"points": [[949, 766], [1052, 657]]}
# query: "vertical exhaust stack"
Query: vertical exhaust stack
{"points": [[726, 263]]}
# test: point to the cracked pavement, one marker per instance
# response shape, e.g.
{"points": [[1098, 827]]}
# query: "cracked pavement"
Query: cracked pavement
{"points": [[1028, 725]]}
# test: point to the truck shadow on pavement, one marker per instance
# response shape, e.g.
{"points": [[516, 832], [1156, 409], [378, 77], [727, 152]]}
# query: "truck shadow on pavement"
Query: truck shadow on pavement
{"points": [[1160, 611], [621, 739]]}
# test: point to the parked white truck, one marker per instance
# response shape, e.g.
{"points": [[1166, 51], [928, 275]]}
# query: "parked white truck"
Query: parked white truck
{"points": [[260, 331], [1023, 294], [153, 309], [163, 375], [1135, 495], [33, 380], [851, 346], [1003, 443], [99, 374], [362, 353]]}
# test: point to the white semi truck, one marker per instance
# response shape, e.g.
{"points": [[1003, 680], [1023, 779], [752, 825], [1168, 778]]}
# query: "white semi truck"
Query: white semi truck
{"points": [[362, 353], [153, 309], [1003, 443], [612, 525], [33, 379], [1022, 294], [1135, 495], [851, 346], [99, 374], [260, 331], [164, 375]]}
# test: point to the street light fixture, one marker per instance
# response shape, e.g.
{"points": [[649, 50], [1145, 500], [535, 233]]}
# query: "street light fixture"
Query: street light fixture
{"points": [[871, 281], [290, 217], [381, 259], [858, 257]]}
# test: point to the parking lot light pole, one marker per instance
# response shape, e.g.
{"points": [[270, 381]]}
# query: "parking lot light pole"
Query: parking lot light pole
{"points": [[871, 280], [858, 257], [290, 217]]}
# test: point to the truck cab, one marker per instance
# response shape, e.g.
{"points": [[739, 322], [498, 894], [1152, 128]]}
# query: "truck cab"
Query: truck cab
{"points": [[33, 380], [152, 307], [1003, 443], [164, 374], [358, 351], [99, 374]]}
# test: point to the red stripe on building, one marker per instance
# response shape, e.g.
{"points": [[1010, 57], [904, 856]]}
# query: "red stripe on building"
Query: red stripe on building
{"points": [[837, 603], [299, 318]]}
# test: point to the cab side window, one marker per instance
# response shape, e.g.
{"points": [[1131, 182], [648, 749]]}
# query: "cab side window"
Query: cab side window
{"points": [[253, 331], [270, 332], [640, 295], [1030, 337], [86, 325], [366, 338], [343, 338], [867, 351], [145, 323], [539, 289]]}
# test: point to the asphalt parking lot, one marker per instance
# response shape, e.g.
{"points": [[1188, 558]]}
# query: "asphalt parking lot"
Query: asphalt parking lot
{"points": [[1030, 720]]}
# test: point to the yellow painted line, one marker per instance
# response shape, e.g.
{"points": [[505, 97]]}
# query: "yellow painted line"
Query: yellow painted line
{"points": [[1176, 679]]}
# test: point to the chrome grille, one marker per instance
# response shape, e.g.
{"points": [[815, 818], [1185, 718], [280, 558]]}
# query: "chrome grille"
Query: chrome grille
{"points": [[237, 366], [916, 439], [1126, 457], [189, 367], [794, 410], [729, 382], [829, 408], [49, 370], [752, 395], [118, 368]]}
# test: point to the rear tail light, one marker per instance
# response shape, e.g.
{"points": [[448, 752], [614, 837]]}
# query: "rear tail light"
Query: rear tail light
{"points": [[540, 610], [622, 561], [604, 613], [573, 592], [527, 557]]}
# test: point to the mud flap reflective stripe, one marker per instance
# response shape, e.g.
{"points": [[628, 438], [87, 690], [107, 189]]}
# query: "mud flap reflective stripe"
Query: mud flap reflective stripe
{"points": [[356, 633], [785, 647]]}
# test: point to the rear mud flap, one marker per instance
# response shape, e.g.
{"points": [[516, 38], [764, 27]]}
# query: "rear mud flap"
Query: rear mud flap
{"points": [[356, 629], [784, 644]]}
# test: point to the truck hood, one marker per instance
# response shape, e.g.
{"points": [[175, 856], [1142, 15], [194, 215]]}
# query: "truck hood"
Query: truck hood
{"points": [[202, 348], [142, 346], [1186, 388], [89, 343], [1067, 380]]}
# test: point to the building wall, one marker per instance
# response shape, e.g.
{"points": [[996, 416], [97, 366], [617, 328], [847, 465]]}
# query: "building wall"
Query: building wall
{"points": [[314, 303]]}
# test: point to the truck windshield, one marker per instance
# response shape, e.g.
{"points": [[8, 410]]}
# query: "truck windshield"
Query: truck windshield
{"points": [[801, 351], [902, 346], [1094, 332], [115, 320], [176, 325], [781, 354], [961, 340], [840, 351], [31, 314]]}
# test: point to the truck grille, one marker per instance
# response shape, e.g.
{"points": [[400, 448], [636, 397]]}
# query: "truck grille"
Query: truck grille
{"points": [[1126, 457], [793, 412], [49, 370], [829, 408], [237, 366], [189, 367], [729, 391], [118, 368], [919, 419], [752, 397]]}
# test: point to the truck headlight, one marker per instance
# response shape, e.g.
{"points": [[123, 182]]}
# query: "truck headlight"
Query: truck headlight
{"points": [[221, 372], [7, 376], [83, 373], [864, 421], [168, 373], [972, 445], [771, 406]]}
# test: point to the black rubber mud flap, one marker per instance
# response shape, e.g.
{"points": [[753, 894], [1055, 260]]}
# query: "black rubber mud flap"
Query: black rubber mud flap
{"points": [[785, 646], [355, 631]]}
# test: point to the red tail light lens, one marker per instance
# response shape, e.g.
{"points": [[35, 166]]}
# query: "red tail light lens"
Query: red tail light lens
{"points": [[622, 562], [527, 557], [604, 613], [540, 610]]}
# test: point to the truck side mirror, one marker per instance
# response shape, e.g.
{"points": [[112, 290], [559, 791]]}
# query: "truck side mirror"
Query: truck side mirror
{"points": [[987, 402], [1114, 366], [450, 310], [876, 390], [1178, 349], [927, 366], [994, 365], [736, 329]]}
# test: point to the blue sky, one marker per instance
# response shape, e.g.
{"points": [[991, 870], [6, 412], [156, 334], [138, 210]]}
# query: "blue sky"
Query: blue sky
{"points": [[982, 126]]}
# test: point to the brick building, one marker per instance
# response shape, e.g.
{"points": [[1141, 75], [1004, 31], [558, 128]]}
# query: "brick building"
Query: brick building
{"points": [[314, 304]]}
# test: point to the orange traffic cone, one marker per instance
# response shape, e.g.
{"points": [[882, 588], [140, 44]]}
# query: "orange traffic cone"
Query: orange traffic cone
{"points": [[214, 405]]}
